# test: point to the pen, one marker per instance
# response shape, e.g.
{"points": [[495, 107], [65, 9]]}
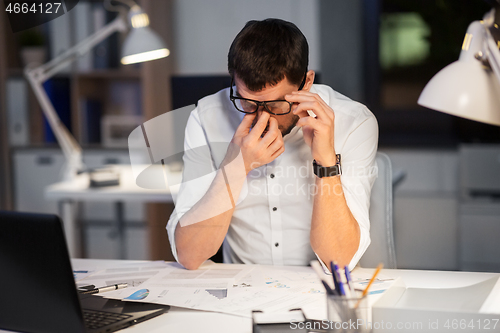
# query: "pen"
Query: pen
{"points": [[336, 279], [104, 289], [329, 290], [90, 286], [379, 267], [339, 279], [319, 271], [349, 281]]}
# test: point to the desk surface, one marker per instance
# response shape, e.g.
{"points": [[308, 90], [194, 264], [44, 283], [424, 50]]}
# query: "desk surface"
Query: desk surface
{"points": [[186, 320], [78, 189]]}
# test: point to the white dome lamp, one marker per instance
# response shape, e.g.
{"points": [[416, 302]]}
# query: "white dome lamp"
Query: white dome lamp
{"points": [[470, 87], [142, 43]]}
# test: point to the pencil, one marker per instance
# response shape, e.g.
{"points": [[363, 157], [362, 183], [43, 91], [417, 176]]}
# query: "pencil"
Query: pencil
{"points": [[379, 267]]}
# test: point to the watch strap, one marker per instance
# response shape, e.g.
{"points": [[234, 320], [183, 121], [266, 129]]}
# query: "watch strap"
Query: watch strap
{"points": [[330, 171]]}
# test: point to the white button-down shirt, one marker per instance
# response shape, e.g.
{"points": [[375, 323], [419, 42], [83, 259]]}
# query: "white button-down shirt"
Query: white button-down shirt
{"points": [[272, 218]]}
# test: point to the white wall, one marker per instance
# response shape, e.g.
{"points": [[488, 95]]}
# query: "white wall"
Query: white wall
{"points": [[204, 30]]}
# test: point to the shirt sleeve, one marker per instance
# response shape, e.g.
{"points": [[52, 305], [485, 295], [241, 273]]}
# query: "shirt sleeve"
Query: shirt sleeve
{"points": [[358, 175], [197, 175]]}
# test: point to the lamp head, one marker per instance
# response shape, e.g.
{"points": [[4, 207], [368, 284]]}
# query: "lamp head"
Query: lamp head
{"points": [[468, 87], [142, 43]]}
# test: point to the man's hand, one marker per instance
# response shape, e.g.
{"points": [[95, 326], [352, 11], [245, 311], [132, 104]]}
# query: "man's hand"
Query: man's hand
{"points": [[259, 145], [318, 131]]}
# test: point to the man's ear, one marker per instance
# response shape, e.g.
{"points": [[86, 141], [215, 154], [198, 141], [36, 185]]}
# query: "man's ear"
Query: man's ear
{"points": [[309, 80]]}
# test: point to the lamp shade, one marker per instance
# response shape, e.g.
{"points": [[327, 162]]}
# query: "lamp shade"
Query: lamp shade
{"points": [[143, 44], [466, 88]]}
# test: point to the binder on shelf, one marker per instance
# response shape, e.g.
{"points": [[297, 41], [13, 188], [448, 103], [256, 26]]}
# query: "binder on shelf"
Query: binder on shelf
{"points": [[91, 112], [106, 53], [100, 51], [113, 43], [58, 91], [17, 111], [60, 37], [82, 27]]}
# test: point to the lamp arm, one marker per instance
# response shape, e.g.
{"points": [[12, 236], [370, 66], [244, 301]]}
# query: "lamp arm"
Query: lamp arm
{"points": [[71, 149], [49, 69], [37, 76]]}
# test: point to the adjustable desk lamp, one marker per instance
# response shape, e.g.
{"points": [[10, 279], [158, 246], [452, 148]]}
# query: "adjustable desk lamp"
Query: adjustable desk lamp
{"points": [[470, 87], [142, 44]]}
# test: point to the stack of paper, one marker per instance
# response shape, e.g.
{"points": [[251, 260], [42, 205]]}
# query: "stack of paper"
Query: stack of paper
{"points": [[233, 289]]}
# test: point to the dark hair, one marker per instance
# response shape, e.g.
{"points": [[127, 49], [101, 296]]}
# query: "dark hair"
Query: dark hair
{"points": [[265, 52]]}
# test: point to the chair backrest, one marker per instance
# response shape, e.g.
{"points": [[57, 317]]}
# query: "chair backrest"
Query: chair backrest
{"points": [[381, 249]]}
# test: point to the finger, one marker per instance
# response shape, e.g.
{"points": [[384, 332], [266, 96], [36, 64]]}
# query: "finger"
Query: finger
{"points": [[246, 124], [276, 144], [303, 97], [325, 115], [313, 101], [260, 126], [313, 123], [302, 93], [300, 113], [272, 133], [278, 152], [300, 96]]}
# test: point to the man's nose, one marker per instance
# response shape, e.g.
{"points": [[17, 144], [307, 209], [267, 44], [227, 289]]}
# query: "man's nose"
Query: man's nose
{"points": [[260, 111]]}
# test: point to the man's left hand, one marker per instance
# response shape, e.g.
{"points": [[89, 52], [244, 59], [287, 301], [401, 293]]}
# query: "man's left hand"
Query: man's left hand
{"points": [[318, 131]]}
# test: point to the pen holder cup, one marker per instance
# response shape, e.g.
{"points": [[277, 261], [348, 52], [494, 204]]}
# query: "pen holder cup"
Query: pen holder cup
{"points": [[348, 314]]}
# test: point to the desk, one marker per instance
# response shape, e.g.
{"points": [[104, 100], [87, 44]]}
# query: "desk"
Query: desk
{"points": [[68, 193], [186, 320]]}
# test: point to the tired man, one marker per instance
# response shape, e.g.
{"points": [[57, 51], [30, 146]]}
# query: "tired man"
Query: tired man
{"points": [[291, 162]]}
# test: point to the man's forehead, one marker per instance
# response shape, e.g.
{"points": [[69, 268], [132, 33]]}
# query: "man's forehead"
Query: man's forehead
{"points": [[276, 91]]}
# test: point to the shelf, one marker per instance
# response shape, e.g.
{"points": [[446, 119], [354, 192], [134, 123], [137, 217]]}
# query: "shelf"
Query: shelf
{"points": [[110, 74], [15, 72], [94, 74]]}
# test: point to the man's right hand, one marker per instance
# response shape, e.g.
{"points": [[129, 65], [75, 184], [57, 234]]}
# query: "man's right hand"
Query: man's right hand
{"points": [[257, 146]]}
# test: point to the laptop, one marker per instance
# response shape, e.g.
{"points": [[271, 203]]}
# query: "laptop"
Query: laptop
{"points": [[37, 287]]}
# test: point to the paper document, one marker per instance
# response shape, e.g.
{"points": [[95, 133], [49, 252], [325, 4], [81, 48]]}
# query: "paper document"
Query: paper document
{"points": [[233, 289], [133, 274]]}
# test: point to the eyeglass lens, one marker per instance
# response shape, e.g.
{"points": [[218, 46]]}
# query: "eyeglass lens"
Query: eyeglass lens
{"points": [[250, 106]]}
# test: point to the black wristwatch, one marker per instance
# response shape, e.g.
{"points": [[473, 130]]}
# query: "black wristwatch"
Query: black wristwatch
{"points": [[330, 171]]}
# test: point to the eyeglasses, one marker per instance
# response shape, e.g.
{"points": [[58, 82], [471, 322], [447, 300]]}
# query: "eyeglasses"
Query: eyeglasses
{"points": [[277, 107]]}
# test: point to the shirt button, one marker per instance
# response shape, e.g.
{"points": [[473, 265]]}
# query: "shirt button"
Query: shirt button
{"points": [[276, 244], [271, 175], [275, 209]]}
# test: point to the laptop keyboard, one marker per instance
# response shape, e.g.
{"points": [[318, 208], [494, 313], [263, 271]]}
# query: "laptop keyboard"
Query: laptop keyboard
{"points": [[97, 319]]}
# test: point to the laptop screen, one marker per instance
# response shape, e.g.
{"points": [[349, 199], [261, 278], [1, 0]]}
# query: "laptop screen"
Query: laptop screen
{"points": [[38, 289]]}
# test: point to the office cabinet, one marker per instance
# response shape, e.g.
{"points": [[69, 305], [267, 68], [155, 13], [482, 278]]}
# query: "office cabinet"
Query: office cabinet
{"points": [[101, 241], [479, 207], [479, 236], [34, 170], [426, 208]]}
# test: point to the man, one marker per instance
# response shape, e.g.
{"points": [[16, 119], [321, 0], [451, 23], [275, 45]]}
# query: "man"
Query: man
{"points": [[274, 194]]}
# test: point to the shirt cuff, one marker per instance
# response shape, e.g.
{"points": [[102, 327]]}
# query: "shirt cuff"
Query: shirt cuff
{"points": [[171, 226]]}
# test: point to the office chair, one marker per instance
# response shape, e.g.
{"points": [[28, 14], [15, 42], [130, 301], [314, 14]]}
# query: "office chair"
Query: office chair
{"points": [[381, 249]]}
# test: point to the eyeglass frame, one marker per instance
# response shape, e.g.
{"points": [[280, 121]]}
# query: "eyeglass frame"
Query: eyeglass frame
{"points": [[263, 103]]}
